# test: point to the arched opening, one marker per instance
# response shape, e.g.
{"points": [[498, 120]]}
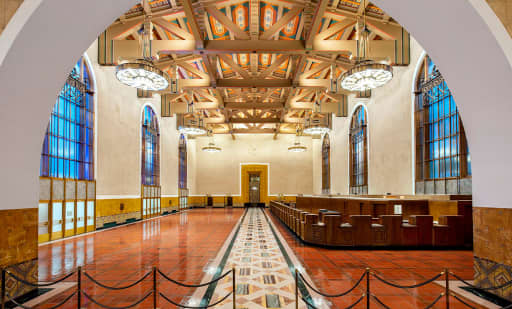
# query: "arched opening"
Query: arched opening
{"points": [[326, 165], [358, 139], [443, 162], [150, 167], [67, 183], [182, 172]]}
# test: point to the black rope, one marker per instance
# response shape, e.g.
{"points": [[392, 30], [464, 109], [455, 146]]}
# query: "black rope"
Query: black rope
{"points": [[117, 288], [124, 307], [407, 286], [465, 303], [484, 289], [56, 306], [333, 295], [379, 301], [507, 307], [194, 285], [357, 302], [190, 307], [308, 303], [435, 301], [39, 284]]}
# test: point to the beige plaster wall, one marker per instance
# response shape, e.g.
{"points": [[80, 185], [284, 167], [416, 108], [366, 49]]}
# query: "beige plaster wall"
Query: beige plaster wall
{"points": [[317, 165], [390, 135], [118, 134], [219, 173]]}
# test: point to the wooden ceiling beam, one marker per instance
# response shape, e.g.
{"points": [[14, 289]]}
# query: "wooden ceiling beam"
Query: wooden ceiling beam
{"points": [[283, 21], [194, 26], [274, 66], [255, 120], [317, 21], [251, 105], [224, 20], [237, 68], [173, 28]]}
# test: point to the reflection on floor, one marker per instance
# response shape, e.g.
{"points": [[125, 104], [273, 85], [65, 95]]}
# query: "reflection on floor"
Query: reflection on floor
{"points": [[264, 269], [184, 245], [335, 271], [180, 245]]}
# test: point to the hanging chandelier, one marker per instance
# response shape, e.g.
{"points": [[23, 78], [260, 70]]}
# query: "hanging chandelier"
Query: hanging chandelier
{"points": [[192, 124], [366, 74], [211, 148], [141, 73], [314, 125], [297, 145], [193, 127]]}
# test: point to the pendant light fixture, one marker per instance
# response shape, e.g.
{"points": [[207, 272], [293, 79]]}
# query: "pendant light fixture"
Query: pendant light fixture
{"points": [[366, 74], [314, 124], [141, 73], [212, 148], [297, 145], [192, 124]]}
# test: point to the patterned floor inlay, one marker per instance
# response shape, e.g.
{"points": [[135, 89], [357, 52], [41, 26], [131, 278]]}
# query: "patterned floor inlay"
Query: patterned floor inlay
{"points": [[264, 278]]}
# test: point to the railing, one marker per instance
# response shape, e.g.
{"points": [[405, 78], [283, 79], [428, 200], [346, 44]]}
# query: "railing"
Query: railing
{"points": [[155, 272], [368, 295], [78, 292]]}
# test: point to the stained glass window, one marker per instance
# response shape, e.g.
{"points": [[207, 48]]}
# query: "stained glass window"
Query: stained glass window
{"points": [[150, 148], [182, 181], [69, 141], [326, 165], [441, 147], [358, 152]]}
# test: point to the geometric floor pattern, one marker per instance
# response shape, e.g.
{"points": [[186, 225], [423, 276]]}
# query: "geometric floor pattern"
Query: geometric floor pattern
{"points": [[263, 279]]}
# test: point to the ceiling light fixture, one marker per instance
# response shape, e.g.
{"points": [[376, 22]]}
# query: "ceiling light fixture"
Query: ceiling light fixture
{"points": [[297, 145], [212, 148], [141, 73], [192, 125], [314, 124], [367, 74]]}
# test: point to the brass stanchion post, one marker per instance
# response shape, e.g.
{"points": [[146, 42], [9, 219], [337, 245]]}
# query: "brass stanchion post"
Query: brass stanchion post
{"points": [[79, 288], [296, 289], [155, 292], [234, 288], [368, 288], [447, 288]]}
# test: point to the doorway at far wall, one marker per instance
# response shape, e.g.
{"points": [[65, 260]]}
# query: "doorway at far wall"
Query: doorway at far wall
{"points": [[254, 187]]}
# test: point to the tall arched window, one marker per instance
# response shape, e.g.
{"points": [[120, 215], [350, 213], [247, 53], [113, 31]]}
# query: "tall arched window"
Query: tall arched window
{"points": [[359, 152], [326, 165], [182, 173], [443, 163], [150, 168], [67, 195], [69, 140], [150, 148], [183, 162]]}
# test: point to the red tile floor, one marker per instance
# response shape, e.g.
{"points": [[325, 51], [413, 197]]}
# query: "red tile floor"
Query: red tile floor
{"points": [[180, 245], [335, 271]]}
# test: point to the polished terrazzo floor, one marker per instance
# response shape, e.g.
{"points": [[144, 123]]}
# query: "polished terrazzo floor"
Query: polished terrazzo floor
{"points": [[183, 246], [180, 245], [335, 271]]}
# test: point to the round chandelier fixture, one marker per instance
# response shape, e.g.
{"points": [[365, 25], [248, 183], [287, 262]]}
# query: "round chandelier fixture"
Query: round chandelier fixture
{"points": [[211, 148], [142, 74], [192, 130], [366, 76], [297, 147], [316, 127]]}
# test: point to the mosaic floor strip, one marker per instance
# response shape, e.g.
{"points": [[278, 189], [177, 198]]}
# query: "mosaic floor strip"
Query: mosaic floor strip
{"points": [[263, 274]]}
